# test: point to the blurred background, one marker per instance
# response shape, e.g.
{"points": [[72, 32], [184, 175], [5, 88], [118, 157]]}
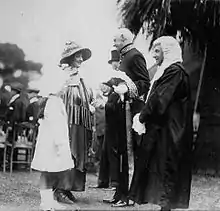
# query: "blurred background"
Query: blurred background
{"points": [[33, 34]]}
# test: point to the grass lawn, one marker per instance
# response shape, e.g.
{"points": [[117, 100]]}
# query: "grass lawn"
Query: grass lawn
{"points": [[21, 193]]}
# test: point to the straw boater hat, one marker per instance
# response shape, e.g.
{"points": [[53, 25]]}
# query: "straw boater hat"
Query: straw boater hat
{"points": [[71, 48]]}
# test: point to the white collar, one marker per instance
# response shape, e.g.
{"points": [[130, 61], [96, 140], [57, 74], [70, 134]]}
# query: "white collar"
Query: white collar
{"points": [[33, 99]]}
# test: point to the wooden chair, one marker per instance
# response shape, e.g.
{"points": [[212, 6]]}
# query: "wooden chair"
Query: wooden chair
{"points": [[23, 139]]}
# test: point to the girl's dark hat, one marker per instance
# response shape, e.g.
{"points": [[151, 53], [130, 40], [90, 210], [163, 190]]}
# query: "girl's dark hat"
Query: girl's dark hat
{"points": [[114, 56], [71, 48]]}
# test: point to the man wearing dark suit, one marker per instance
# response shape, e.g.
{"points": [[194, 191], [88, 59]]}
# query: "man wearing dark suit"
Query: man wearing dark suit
{"points": [[17, 105], [109, 131], [33, 108], [134, 91], [32, 113], [16, 109], [5, 96]]}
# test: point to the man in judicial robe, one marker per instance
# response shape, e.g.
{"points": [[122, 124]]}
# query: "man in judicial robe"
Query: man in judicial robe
{"points": [[163, 172]]}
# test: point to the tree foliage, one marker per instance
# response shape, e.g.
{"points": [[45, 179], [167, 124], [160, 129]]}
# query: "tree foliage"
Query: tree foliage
{"points": [[198, 20], [12, 57], [28, 65], [11, 54]]}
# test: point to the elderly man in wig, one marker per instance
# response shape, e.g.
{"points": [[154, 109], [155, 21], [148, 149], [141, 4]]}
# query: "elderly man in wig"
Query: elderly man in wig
{"points": [[130, 86], [163, 173]]}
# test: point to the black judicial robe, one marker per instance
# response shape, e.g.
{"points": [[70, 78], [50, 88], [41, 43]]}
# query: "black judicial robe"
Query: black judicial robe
{"points": [[163, 171]]}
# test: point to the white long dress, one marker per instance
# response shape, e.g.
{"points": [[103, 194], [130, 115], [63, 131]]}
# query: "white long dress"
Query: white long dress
{"points": [[52, 153]]}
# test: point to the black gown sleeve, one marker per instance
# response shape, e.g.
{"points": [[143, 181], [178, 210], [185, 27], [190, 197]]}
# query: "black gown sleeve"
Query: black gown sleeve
{"points": [[161, 95]]}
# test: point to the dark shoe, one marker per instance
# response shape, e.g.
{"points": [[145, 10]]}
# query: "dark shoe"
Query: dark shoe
{"points": [[120, 203], [70, 196], [110, 188], [62, 197], [110, 201], [130, 203]]}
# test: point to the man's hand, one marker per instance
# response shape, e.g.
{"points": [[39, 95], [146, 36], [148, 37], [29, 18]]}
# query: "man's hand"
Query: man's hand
{"points": [[121, 89]]}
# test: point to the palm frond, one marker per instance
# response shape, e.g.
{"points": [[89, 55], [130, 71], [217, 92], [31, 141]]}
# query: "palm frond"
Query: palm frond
{"points": [[135, 12], [198, 20]]}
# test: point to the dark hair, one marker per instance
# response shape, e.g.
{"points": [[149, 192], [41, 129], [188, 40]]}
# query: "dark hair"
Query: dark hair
{"points": [[68, 59]]}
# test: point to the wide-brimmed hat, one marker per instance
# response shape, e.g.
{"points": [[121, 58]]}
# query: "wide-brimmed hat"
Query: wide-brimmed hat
{"points": [[114, 56], [71, 48]]}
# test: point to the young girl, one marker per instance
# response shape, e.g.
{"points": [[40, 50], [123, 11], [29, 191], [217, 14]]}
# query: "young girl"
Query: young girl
{"points": [[52, 154]]}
